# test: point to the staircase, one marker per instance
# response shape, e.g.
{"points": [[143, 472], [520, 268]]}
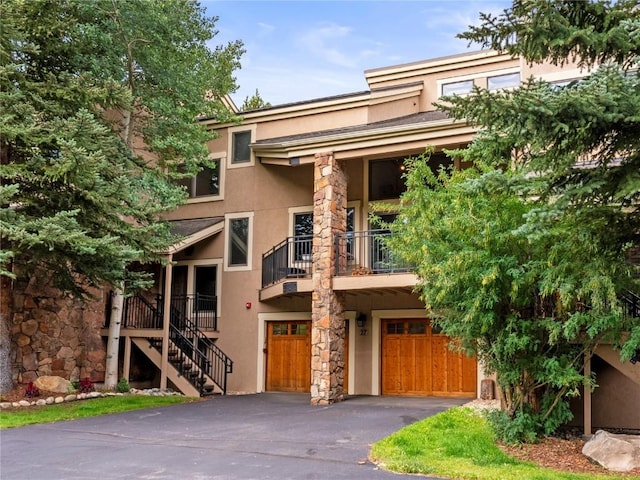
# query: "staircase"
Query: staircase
{"points": [[197, 365]]}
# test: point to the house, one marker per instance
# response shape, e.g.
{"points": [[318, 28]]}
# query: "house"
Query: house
{"points": [[280, 281]]}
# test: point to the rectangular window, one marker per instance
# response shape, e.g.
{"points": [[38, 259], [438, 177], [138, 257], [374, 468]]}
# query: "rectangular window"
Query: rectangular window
{"points": [[241, 150], [509, 80], [205, 287], [238, 241], [457, 88], [204, 183], [385, 179], [303, 236]]}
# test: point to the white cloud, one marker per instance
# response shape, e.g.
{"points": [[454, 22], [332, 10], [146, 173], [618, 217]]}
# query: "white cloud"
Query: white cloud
{"points": [[324, 41]]}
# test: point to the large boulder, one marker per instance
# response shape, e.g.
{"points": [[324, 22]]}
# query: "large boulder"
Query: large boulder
{"points": [[614, 452], [53, 384]]}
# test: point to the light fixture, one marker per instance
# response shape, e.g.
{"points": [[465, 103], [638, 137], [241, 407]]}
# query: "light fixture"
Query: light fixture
{"points": [[361, 320]]}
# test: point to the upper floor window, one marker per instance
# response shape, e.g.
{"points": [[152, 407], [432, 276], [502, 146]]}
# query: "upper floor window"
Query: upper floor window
{"points": [[206, 183], [238, 241], [509, 80], [385, 179], [241, 153], [457, 88]]}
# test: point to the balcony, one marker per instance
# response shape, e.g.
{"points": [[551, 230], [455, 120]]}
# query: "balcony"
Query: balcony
{"points": [[365, 253], [363, 263], [146, 312]]}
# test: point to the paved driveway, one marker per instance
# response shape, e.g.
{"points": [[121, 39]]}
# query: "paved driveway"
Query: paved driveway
{"points": [[264, 436]]}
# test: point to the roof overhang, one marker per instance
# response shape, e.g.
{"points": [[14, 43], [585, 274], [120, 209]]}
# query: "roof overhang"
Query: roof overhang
{"points": [[301, 151], [193, 231]]}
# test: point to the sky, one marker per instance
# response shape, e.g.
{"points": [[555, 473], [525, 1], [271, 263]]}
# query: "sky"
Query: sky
{"points": [[306, 49]]}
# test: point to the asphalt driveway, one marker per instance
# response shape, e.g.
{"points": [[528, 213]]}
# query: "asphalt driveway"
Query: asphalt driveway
{"points": [[264, 436]]}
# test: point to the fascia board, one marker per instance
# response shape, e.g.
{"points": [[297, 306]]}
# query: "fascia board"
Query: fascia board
{"points": [[379, 137]]}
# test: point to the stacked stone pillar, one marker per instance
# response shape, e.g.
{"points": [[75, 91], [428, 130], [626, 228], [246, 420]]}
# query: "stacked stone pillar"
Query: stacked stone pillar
{"points": [[327, 331]]}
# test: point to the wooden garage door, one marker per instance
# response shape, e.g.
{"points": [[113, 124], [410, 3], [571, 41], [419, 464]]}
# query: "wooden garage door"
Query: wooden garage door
{"points": [[288, 357], [417, 361]]}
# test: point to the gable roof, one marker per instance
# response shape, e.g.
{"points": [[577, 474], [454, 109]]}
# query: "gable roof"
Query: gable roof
{"points": [[193, 230]]}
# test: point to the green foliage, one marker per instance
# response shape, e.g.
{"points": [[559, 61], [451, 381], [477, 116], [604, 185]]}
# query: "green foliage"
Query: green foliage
{"points": [[254, 102], [98, 102], [523, 258], [20, 417], [457, 443], [123, 386]]}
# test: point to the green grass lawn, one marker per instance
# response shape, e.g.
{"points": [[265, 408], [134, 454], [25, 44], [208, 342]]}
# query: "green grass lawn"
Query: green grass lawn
{"points": [[21, 416], [459, 444]]}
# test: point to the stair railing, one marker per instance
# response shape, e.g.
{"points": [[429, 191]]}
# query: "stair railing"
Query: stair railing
{"points": [[215, 363]]}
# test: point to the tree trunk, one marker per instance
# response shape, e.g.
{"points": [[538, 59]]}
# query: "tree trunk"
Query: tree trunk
{"points": [[113, 341], [6, 375]]}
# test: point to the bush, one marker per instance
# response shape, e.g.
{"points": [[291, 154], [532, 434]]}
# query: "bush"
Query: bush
{"points": [[86, 386], [123, 386], [522, 428], [31, 391]]}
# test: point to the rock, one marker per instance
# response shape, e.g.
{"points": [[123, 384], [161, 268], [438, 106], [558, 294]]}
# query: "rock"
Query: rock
{"points": [[614, 452], [59, 400], [5, 405], [50, 400], [41, 402], [94, 395], [24, 403], [52, 383], [70, 398]]}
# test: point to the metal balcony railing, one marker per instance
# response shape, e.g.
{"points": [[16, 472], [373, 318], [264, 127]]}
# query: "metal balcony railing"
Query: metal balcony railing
{"points": [[147, 311], [366, 253], [291, 258]]}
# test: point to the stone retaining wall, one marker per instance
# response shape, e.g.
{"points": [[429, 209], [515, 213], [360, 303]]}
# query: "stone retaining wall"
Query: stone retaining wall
{"points": [[53, 333]]}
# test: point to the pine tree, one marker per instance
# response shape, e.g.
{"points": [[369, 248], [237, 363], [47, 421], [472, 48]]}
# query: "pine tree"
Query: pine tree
{"points": [[524, 257]]}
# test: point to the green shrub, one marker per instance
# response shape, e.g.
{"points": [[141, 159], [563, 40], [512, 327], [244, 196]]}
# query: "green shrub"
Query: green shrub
{"points": [[523, 427], [123, 386]]}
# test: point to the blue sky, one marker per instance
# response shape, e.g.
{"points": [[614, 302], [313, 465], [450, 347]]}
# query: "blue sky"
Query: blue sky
{"points": [[304, 49]]}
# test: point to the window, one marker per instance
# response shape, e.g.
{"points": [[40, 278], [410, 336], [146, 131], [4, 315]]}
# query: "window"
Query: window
{"points": [[204, 183], [239, 228], [457, 88], [302, 236], [385, 179], [239, 241], [303, 233], [508, 80], [241, 152]]}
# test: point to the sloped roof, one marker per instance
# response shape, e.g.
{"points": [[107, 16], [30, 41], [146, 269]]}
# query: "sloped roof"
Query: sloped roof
{"points": [[194, 230]]}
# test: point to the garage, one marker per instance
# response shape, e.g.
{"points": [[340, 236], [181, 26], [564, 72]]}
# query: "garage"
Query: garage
{"points": [[288, 356], [416, 360]]}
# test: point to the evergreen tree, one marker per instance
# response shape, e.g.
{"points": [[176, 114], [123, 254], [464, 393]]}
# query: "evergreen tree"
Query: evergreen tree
{"points": [[98, 107], [99, 103], [254, 102], [524, 257]]}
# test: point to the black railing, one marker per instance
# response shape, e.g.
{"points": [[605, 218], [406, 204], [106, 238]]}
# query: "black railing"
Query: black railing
{"points": [[147, 312], [631, 302], [142, 312], [200, 309], [196, 349], [366, 253], [291, 258]]}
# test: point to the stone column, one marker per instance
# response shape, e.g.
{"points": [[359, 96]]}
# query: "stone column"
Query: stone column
{"points": [[327, 331]]}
